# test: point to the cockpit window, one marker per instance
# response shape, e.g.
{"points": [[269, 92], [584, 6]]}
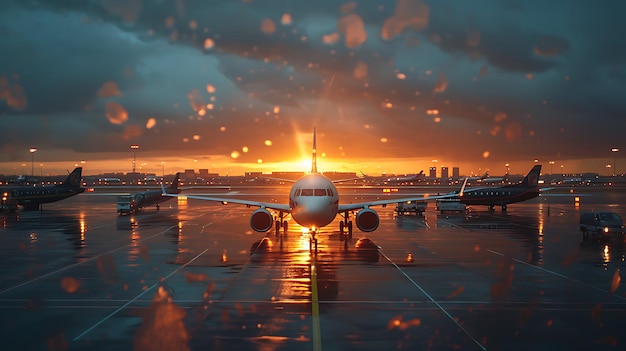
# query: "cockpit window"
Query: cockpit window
{"points": [[330, 192], [297, 193], [311, 192]]}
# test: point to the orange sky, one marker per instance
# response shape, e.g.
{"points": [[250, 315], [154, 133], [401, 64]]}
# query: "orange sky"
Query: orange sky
{"points": [[226, 165]]}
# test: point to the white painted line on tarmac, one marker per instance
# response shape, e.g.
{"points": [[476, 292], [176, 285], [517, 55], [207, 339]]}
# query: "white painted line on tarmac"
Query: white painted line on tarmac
{"points": [[136, 297], [560, 275], [482, 347], [82, 262]]}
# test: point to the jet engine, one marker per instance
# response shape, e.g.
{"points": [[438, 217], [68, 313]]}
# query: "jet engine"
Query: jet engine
{"points": [[367, 220], [261, 220]]}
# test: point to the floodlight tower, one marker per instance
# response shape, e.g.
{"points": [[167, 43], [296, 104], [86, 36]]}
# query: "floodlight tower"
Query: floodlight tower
{"points": [[614, 151], [32, 151]]}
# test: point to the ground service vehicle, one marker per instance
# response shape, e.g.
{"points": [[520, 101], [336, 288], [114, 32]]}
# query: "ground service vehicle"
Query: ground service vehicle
{"points": [[598, 225]]}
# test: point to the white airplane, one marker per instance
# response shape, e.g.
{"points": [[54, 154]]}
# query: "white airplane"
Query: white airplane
{"points": [[313, 204]]}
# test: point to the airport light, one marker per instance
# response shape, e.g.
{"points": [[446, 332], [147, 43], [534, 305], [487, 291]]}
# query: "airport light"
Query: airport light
{"points": [[134, 147], [162, 171], [551, 167], [32, 151], [614, 151]]}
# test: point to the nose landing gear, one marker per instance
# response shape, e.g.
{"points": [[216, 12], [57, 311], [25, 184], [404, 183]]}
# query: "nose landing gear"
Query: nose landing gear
{"points": [[313, 241]]}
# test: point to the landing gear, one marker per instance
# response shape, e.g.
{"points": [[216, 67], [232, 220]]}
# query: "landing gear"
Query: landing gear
{"points": [[346, 223], [281, 223], [313, 241]]}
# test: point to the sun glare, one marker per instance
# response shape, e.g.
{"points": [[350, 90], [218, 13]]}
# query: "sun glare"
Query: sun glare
{"points": [[305, 165]]}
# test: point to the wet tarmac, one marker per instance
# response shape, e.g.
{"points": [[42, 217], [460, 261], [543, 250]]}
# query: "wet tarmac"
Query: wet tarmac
{"points": [[194, 276]]}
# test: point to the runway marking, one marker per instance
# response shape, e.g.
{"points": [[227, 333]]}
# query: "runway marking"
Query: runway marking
{"points": [[136, 297], [315, 309], [81, 262], [433, 301], [559, 275]]}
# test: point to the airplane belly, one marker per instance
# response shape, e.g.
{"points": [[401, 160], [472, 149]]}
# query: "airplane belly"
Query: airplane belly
{"points": [[313, 214]]}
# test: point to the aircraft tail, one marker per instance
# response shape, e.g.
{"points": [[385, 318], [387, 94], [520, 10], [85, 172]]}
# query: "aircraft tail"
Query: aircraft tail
{"points": [[173, 188], [532, 178], [73, 180], [314, 155]]}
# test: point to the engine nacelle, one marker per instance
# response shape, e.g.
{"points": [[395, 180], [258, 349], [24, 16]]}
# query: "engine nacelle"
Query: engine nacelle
{"points": [[367, 220], [261, 220]]}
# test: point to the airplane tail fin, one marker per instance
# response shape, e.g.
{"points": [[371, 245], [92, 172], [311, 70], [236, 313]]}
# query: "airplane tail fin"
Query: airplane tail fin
{"points": [[532, 178], [73, 179], [463, 187], [172, 188], [314, 155]]}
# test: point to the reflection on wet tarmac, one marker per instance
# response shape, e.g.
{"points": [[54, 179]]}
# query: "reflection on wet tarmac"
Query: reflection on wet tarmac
{"points": [[529, 230], [195, 277]]}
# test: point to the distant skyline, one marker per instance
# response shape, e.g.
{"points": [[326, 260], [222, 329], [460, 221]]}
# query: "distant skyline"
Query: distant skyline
{"points": [[238, 85]]}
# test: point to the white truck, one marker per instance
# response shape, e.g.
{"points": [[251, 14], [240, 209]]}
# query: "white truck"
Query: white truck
{"points": [[125, 205], [450, 205]]}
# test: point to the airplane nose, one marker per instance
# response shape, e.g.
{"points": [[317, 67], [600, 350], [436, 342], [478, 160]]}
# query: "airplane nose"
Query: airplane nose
{"points": [[313, 212]]}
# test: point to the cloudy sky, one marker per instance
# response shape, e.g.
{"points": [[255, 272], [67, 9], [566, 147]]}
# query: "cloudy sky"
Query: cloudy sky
{"points": [[235, 85]]}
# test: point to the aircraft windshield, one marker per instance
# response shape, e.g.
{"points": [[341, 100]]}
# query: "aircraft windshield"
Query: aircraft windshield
{"points": [[312, 192]]}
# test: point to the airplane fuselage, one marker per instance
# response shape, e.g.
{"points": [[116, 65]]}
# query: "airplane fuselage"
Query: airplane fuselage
{"points": [[314, 201], [32, 197], [150, 197], [498, 196]]}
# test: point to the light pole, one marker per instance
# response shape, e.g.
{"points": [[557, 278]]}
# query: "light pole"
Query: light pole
{"points": [[32, 151], [134, 147], [614, 151], [551, 167], [162, 171]]}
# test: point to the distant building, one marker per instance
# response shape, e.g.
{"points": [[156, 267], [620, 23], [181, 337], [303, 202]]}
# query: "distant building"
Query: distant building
{"points": [[432, 172], [204, 174], [444, 173], [456, 172]]}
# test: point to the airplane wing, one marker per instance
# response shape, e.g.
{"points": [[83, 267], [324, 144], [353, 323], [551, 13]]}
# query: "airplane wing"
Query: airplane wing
{"points": [[268, 205], [424, 197], [347, 180]]}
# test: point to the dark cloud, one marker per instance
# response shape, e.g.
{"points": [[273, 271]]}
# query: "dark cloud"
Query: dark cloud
{"points": [[483, 82]]}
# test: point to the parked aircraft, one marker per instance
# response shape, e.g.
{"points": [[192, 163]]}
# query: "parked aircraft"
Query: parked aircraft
{"points": [[31, 197], [504, 195], [313, 204], [486, 179], [131, 203]]}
